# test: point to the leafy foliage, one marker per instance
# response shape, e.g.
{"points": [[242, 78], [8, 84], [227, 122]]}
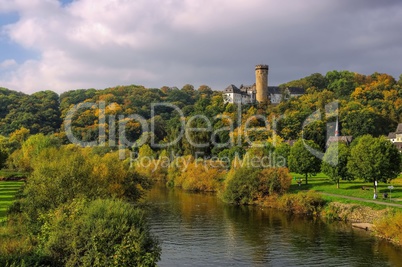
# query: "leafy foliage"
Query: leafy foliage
{"points": [[97, 233], [201, 175], [38, 112], [61, 175], [247, 185], [302, 161], [335, 162], [374, 159]]}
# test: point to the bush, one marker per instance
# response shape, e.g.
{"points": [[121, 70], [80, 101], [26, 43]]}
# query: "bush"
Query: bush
{"points": [[97, 233], [148, 165], [243, 186], [61, 175], [309, 203], [176, 167], [17, 246], [275, 181], [390, 227], [201, 175], [248, 185]]}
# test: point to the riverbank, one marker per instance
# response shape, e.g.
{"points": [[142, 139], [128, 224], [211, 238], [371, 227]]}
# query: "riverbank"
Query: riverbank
{"points": [[310, 203], [198, 229], [279, 189]]}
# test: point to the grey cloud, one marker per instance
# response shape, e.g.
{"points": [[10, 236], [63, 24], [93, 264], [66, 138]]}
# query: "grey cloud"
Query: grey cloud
{"points": [[295, 38]]}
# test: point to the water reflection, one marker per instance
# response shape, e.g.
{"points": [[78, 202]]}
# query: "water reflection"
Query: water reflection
{"points": [[200, 230]]}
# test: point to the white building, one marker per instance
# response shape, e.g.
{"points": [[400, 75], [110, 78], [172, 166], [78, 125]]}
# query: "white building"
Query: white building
{"points": [[396, 137], [248, 94], [234, 95]]}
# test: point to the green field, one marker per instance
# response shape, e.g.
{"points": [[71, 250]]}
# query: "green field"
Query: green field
{"points": [[321, 183], [7, 193]]}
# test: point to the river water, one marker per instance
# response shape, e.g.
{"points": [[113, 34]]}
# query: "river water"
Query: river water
{"points": [[200, 230]]}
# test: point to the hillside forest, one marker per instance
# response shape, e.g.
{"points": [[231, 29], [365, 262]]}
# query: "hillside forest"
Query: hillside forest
{"points": [[76, 206]]}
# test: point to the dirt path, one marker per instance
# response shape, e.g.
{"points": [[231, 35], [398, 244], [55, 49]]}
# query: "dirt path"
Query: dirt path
{"points": [[390, 204]]}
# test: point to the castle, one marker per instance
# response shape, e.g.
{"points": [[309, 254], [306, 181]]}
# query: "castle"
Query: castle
{"points": [[260, 91]]}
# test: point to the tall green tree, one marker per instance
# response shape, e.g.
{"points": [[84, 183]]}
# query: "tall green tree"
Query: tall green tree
{"points": [[374, 160], [302, 161], [334, 163]]}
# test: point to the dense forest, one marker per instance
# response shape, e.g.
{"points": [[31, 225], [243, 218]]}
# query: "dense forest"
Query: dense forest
{"points": [[368, 104]]}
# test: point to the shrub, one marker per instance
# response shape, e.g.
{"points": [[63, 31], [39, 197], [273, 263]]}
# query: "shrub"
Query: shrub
{"points": [[247, 185], [275, 181], [201, 175], [151, 167], [63, 174], [309, 203], [390, 227], [243, 186], [176, 167], [17, 246], [97, 233]]}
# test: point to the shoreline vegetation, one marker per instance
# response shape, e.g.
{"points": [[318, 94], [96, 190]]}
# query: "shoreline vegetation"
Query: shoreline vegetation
{"points": [[277, 188], [84, 180], [76, 208]]}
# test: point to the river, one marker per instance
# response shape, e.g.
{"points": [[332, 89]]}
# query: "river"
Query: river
{"points": [[200, 230]]}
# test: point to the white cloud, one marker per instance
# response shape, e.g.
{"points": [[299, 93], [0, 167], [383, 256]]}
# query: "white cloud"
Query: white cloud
{"points": [[8, 63], [172, 42]]}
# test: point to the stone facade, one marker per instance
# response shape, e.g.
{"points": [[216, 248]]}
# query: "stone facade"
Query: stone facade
{"points": [[260, 91], [261, 82], [396, 137]]}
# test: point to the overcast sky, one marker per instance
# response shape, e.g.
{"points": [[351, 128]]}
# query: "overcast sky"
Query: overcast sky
{"points": [[65, 45]]}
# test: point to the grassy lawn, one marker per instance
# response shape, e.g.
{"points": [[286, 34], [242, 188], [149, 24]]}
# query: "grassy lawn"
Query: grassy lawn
{"points": [[5, 174], [7, 192], [322, 183]]}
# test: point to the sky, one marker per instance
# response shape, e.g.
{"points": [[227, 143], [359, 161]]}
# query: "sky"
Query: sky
{"points": [[75, 44]]}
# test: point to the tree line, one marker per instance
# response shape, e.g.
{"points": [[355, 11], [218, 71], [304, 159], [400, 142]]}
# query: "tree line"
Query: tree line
{"points": [[75, 195], [368, 104]]}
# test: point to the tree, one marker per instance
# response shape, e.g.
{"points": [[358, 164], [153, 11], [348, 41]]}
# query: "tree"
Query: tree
{"points": [[334, 163], [282, 152], [205, 89], [317, 132], [102, 232], [24, 158], [274, 181], [247, 185], [342, 83], [63, 174], [20, 135], [302, 161], [374, 160], [242, 188]]}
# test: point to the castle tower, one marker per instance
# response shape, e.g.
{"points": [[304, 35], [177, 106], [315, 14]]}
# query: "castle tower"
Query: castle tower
{"points": [[261, 82]]}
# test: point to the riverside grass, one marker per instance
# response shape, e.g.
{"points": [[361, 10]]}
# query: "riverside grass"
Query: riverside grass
{"points": [[8, 189], [321, 183]]}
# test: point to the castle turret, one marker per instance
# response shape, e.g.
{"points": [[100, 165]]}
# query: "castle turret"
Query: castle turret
{"points": [[261, 82]]}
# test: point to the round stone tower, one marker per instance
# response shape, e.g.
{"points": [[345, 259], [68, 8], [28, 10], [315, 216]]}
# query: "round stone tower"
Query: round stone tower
{"points": [[261, 82]]}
